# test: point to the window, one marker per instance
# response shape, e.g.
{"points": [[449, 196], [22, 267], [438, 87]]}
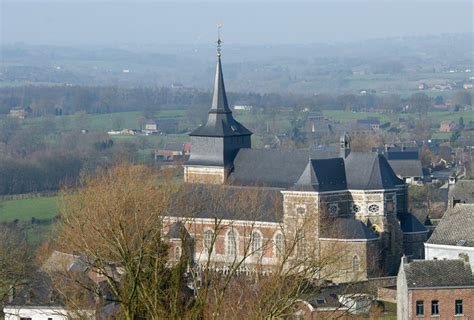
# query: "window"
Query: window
{"points": [[177, 253], [435, 307], [356, 208], [420, 308], [256, 243], [458, 307], [231, 244], [355, 263], [279, 244], [374, 208], [208, 239]]}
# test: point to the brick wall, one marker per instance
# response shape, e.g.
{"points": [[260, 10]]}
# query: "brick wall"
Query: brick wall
{"points": [[446, 298]]}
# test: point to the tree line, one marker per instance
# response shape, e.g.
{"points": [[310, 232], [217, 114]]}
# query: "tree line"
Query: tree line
{"points": [[63, 100]]}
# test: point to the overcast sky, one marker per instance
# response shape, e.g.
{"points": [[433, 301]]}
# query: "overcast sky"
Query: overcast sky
{"points": [[109, 23]]}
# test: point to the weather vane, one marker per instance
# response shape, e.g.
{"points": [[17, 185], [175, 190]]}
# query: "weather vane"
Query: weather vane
{"points": [[219, 41]]}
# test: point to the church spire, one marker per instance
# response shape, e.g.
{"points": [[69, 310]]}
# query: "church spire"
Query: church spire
{"points": [[219, 98]]}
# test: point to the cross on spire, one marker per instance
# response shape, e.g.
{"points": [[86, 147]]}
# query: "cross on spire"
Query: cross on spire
{"points": [[219, 41]]}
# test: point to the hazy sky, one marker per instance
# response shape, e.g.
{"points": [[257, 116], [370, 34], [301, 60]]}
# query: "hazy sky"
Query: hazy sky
{"points": [[109, 23]]}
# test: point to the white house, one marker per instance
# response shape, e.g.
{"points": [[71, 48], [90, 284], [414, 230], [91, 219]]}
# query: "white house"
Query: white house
{"points": [[453, 235]]}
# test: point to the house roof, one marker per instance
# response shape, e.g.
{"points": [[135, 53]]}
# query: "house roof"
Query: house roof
{"points": [[347, 229], [220, 122], [407, 168], [227, 202], [456, 228], [369, 171], [37, 292], [462, 190], [401, 155], [438, 273]]}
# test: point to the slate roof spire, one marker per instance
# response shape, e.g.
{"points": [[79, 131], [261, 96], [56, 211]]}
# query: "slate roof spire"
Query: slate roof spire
{"points": [[220, 122], [219, 97]]}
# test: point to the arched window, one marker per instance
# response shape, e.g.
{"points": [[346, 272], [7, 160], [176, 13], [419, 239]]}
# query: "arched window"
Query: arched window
{"points": [[177, 253], [208, 239], [231, 243], [355, 263], [279, 243], [256, 243]]}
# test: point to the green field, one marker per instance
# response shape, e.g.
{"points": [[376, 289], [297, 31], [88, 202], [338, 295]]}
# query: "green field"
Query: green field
{"points": [[101, 122], [25, 209]]}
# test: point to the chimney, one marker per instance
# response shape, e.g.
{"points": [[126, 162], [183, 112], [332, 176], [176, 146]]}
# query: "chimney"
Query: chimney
{"points": [[344, 145], [465, 258]]}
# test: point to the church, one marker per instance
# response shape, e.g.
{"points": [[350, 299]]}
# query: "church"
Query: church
{"points": [[350, 204]]}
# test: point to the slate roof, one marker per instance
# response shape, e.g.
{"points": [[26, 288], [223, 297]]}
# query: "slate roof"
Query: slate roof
{"points": [[438, 273], [274, 168], [227, 202], [407, 168], [410, 224], [322, 175], [457, 224], [291, 169], [220, 122], [347, 229], [369, 171], [462, 190], [37, 293]]}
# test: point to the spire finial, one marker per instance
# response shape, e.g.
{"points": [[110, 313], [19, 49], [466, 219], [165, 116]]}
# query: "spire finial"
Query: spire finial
{"points": [[219, 41]]}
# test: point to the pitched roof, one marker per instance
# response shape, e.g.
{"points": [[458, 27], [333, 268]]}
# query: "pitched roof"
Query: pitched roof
{"points": [[347, 229], [268, 167], [322, 175], [37, 292], [227, 202], [438, 273], [462, 190], [220, 122], [407, 168], [456, 227], [292, 169], [369, 171]]}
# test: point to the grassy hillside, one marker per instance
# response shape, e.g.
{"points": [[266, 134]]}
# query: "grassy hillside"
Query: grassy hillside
{"points": [[25, 209]]}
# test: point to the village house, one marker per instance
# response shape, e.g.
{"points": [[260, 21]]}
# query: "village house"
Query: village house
{"points": [[453, 235], [18, 112], [447, 126], [173, 151], [441, 289], [404, 160]]}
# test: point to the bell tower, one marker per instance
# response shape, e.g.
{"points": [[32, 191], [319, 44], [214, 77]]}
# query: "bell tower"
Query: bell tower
{"points": [[215, 144]]}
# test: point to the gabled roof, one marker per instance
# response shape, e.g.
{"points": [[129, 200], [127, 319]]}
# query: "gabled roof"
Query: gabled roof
{"points": [[456, 227], [267, 167], [220, 122], [369, 171], [462, 190], [438, 273], [322, 175], [407, 168]]}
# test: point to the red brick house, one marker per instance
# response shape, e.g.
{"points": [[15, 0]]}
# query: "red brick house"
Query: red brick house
{"points": [[442, 289]]}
